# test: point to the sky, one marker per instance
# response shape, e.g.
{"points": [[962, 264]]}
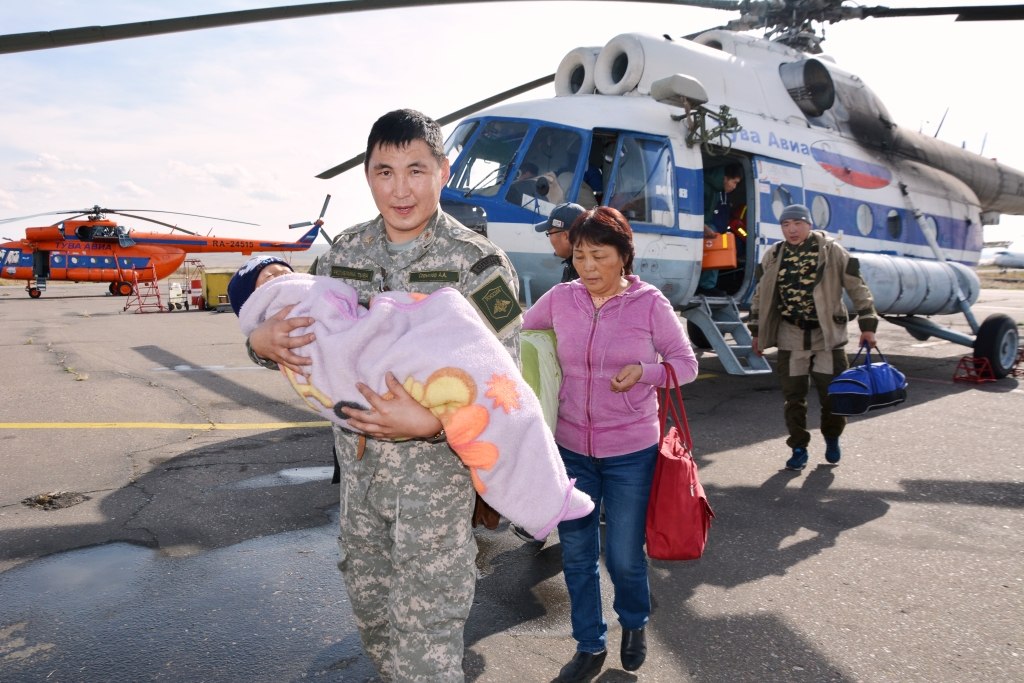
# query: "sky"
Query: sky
{"points": [[236, 122]]}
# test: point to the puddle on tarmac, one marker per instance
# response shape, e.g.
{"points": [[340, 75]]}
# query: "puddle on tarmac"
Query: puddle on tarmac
{"points": [[268, 609], [290, 477]]}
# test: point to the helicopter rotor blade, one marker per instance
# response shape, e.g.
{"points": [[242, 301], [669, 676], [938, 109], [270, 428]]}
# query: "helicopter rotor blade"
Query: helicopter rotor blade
{"points": [[177, 213], [963, 12], [84, 35], [757, 13], [448, 118], [323, 210], [153, 220], [80, 212]]}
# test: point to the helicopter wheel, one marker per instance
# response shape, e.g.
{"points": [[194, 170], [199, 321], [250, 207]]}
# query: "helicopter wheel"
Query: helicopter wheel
{"points": [[123, 288], [35, 292], [112, 287], [998, 340]]}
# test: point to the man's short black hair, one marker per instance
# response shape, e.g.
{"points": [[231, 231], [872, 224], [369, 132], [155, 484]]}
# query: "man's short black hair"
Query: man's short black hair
{"points": [[733, 171], [399, 128]]}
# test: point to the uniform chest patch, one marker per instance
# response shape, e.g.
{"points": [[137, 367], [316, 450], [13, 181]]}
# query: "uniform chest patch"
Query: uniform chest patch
{"points": [[346, 273], [497, 304], [434, 276]]}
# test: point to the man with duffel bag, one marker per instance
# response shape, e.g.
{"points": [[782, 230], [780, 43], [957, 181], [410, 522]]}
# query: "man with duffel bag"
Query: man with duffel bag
{"points": [[798, 307]]}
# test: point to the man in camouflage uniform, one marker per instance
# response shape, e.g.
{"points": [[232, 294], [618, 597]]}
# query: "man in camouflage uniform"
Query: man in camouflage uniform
{"points": [[407, 548], [798, 307]]}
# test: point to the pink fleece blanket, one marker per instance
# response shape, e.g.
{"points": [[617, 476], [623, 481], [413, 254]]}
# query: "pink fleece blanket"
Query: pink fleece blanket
{"points": [[438, 347]]}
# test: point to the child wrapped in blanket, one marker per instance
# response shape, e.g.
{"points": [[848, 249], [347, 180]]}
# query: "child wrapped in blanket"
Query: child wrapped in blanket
{"points": [[445, 357]]}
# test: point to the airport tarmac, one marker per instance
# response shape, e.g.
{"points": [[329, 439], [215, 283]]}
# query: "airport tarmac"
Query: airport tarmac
{"points": [[166, 514]]}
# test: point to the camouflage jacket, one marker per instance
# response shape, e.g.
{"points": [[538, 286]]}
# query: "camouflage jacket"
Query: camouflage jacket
{"points": [[836, 272], [446, 254]]}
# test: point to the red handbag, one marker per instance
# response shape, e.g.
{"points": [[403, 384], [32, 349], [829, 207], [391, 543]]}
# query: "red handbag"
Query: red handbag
{"points": [[678, 513]]}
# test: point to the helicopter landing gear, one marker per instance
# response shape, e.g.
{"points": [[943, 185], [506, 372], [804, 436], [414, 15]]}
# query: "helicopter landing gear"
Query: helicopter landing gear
{"points": [[121, 288], [997, 340], [35, 292]]}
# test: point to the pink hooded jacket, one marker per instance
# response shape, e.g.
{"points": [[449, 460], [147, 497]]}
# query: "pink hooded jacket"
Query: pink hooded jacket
{"points": [[637, 326]]}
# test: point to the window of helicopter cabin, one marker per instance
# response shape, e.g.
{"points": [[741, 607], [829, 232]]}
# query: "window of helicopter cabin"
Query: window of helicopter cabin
{"points": [[483, 166], [642, 180], [546, 175], [865, 221], [821, 212], [894, 224]]}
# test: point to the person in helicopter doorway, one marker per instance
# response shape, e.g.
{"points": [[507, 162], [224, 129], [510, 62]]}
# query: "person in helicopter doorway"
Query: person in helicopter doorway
{"points": [[798, 307], [718, 183]]}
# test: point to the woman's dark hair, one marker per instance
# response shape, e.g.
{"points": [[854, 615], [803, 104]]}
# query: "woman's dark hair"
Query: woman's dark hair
{"points": [[605, 225], [399, 128]]}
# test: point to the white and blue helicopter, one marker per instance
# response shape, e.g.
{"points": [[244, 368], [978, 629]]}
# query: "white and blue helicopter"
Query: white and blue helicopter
{"points": [[639, 122]]}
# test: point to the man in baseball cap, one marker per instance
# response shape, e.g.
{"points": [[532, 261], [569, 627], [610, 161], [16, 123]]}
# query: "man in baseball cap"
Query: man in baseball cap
{"points": [[556, 227]]}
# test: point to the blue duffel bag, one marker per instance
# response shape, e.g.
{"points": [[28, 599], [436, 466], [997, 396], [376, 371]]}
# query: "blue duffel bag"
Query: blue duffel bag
{"points": [[867, 386]]}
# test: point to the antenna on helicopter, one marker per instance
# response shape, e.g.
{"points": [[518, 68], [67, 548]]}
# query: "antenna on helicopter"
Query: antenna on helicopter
{"points": [[941, 121]]}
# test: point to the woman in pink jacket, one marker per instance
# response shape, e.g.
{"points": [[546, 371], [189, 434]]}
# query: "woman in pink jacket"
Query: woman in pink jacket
{"points": [[613, 331]]}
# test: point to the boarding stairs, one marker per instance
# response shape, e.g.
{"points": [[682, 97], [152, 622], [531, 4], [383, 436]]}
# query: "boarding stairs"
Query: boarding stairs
{"points": [[718, 317], [145, 296]]}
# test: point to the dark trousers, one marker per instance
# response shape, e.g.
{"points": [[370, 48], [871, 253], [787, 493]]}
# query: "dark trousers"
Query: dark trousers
{"points": [[794, 393]]}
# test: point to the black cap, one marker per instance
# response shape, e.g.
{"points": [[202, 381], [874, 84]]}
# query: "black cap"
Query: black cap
{"points": [[562, 217]]}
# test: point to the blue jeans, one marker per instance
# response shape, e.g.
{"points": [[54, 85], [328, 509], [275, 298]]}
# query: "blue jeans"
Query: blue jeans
{"points": [[623, 484]]}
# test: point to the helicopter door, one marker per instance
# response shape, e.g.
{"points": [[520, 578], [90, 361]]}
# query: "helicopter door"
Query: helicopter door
{"points": [[778, 184], [40, 264]]}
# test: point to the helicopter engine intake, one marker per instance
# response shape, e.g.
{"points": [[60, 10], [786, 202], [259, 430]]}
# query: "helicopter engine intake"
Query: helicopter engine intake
{"points": [[575, 74]]}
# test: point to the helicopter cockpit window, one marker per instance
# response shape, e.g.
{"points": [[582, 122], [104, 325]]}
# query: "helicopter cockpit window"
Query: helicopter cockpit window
{"points": [[483, 168], [642, 185], [457, 140], [546, 177]]}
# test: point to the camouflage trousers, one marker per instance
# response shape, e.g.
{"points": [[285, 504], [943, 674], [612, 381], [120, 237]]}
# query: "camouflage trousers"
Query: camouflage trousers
{"points": [[408, 556], [797, 370]]}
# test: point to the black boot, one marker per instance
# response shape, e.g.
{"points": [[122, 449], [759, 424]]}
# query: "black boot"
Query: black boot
{"points": [[582, 667], [634, 648]]}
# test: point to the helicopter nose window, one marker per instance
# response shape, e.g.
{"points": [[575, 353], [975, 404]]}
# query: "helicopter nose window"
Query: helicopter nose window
{"points": [[483, 169]]}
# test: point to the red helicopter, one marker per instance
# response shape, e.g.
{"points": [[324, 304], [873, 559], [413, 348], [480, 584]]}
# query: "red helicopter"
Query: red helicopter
{"points": [[97, 249]]}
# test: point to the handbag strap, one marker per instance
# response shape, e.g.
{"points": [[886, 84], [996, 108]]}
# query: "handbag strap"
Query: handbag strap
{"points": [[671, 398], [864, 348]]}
